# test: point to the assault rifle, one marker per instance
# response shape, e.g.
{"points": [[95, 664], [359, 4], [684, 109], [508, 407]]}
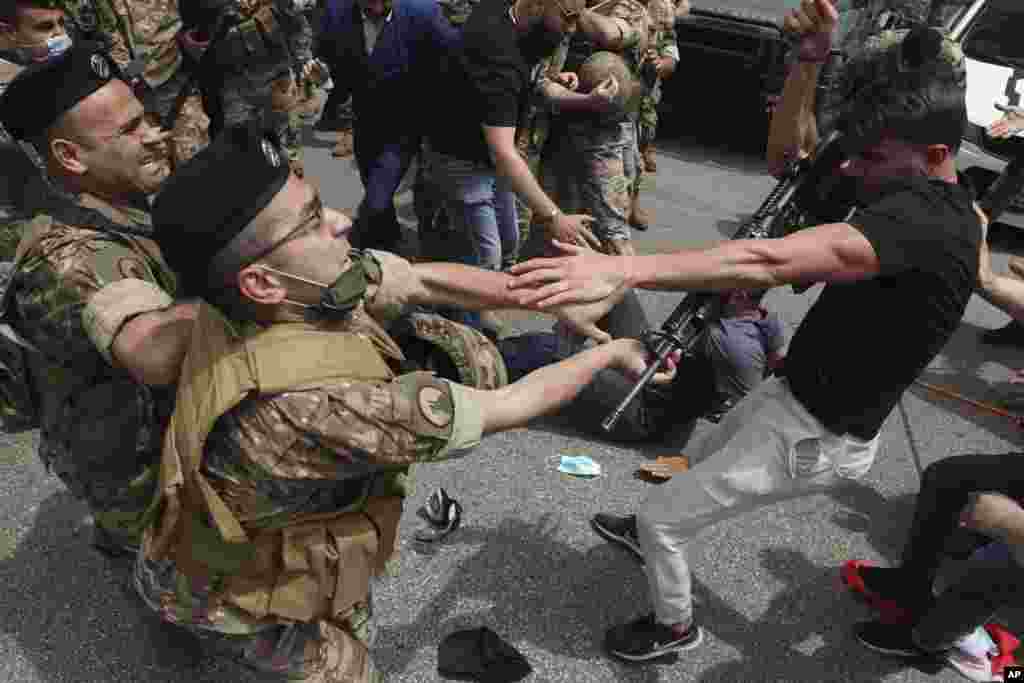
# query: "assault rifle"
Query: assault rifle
{"points": [[779, 214]]}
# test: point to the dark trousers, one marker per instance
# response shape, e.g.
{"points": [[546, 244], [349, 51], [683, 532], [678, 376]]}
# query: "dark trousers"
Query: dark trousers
{"points": [[984, 588], [383, 160]]}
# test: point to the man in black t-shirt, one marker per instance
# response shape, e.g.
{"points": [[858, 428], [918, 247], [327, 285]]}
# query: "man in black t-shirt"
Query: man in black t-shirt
{"points": [[900, 273], [475, 162]]}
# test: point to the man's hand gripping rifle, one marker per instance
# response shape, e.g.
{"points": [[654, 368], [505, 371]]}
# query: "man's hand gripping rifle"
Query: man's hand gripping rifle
{"points": [[776, 217]]}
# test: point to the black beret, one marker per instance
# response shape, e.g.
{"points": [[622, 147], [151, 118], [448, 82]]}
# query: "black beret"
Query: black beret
{"points": [[38, 96], [207, 202]]}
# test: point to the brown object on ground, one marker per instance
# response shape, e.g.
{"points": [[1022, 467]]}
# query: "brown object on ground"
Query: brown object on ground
{"points": [[663, 468], [639, 218], [995, 410], [344, 146], [650, 163]]}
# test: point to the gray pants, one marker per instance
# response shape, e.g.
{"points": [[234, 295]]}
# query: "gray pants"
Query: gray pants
{"points": [[766, 449]]}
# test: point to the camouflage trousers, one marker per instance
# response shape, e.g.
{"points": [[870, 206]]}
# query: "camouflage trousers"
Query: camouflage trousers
{"points": [[591, 168], [647, 127], [190, 131], [335, 651]]}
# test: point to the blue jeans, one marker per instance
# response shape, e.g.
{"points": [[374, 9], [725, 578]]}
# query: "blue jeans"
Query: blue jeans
{"points": [[480, 205]]}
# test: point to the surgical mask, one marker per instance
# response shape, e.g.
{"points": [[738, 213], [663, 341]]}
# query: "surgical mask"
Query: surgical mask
{"points": [[338, 299], [58, 45]]}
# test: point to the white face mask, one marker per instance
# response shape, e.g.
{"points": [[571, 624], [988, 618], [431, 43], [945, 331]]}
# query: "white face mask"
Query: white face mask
{"points": [[58, 45]]}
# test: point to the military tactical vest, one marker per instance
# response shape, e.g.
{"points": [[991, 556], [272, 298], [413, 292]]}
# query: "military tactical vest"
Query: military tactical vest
{"points": [[315, 566]]}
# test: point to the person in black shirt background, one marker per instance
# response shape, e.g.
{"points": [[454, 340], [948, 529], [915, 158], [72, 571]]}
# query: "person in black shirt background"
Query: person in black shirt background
{"points": [[899, 274]]}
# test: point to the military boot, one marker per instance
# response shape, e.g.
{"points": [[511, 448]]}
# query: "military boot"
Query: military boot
{"points": [[639, 217], [650, 163]]}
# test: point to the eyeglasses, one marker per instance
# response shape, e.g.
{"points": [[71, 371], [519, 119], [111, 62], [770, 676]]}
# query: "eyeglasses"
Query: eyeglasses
{"points": [[305, 227]]}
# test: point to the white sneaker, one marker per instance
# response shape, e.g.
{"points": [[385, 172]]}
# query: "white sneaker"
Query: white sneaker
{"points": [[973, 668]]}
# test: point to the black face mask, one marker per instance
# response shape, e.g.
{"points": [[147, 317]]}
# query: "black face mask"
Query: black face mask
{"points": [[539, 42]]}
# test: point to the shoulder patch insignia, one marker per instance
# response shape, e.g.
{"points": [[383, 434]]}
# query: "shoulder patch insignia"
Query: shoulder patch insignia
{"points": [[435, 406]]}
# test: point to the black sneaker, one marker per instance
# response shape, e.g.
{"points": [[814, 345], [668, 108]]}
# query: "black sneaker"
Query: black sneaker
{"points": [[889, 639], [621, 530], [644, 638], [1010, 334]]}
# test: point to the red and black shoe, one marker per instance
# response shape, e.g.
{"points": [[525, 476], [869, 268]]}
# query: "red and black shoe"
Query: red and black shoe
{"points": [[876, 587]]}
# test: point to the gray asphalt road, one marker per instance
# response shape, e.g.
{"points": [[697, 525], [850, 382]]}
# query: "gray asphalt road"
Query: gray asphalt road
{"points": [[525, 562]]}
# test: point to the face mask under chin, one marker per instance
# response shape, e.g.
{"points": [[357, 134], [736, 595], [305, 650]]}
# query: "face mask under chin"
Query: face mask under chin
{"points": [[339, 299]]}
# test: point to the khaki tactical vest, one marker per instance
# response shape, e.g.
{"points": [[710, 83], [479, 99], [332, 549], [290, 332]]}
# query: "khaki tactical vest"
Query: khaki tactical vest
{"points": [[316, 566]]}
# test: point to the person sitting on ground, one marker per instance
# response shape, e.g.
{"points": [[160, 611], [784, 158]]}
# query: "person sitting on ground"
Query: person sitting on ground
{"points": [[977, 492], [730, 358]]}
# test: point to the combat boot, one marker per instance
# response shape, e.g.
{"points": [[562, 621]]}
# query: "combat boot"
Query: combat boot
{"points": [[639, 217], [650, 163]]}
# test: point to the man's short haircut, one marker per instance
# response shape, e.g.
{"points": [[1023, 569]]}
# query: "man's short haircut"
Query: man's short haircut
{"points": [[925, 107], [918, 94]]}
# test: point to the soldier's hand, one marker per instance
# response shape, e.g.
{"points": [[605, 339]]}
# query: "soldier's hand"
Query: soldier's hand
{"points": [[569, 80], [634, 358], [1011, 123], [606, 92], [813, 16], [573, 229]]}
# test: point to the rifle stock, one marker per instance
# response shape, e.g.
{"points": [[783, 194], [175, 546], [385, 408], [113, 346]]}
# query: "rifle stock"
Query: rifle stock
{"points": [[772, 219]]}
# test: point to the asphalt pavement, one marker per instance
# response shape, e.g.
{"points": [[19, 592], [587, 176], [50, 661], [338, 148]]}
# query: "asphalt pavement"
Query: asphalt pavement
{"points": [[525, 562]]}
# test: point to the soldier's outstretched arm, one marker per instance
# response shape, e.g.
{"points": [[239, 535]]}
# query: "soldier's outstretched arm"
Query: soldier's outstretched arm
{"points": [[474, 289], [547, 389]]}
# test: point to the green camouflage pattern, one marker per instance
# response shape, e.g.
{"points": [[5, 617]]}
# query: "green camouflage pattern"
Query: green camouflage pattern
{"points": [[663, 42], [100, 430], [476, 359], [590, 167], [317, 449], [137, 29]]}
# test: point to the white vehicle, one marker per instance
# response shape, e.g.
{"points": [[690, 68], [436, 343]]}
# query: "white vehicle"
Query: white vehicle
{"points": [[991, 33]]}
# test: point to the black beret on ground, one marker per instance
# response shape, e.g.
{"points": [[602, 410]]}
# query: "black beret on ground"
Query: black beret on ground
{"points": [[43, 92], [207, 202]]}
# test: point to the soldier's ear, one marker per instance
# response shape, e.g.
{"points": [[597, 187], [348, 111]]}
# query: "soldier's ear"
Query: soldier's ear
{"points": [[68, 155], [260, 286]]}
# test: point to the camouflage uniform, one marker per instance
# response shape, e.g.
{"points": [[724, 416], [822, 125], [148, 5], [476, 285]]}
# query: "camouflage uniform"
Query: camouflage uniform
{"points": [[144, 34], [663, 41], [590, 162], [100, 429], [323, 449]]}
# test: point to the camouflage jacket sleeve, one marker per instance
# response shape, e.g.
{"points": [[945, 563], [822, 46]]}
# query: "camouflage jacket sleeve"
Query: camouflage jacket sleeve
{"points": [[60, 276], [391, 285], [350, 429]]}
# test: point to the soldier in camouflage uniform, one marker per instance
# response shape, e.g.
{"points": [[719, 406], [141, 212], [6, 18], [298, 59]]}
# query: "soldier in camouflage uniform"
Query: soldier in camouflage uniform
{"points": [[87, 276], [590, 163], [281, 489], [254, 61], [663, 55], [144, 41]]}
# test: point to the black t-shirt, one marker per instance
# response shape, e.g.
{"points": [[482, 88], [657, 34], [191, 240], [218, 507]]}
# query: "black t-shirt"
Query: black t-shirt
{"points": [[488, 84], [863, 343]]}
